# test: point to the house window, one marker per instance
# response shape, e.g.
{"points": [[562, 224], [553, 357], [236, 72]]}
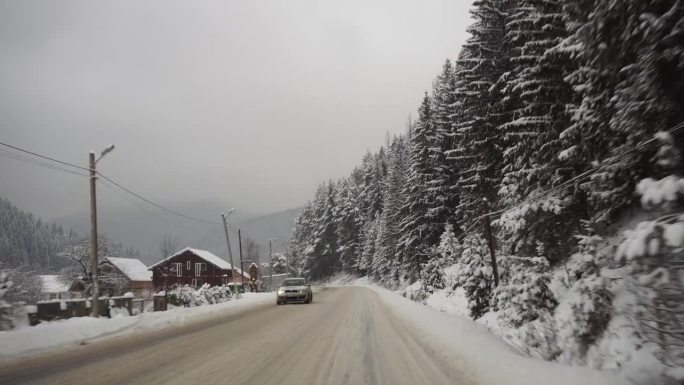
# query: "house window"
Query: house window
{"points": [[188, 265], [179, 269], [200, 268]]}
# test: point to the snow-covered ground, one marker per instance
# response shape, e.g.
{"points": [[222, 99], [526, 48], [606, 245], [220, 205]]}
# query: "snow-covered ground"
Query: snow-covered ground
{"points": [[444, 324], [50, 335]]}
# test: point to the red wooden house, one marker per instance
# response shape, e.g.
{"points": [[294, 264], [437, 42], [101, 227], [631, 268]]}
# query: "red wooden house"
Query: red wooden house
{"points": [[193, 267]]}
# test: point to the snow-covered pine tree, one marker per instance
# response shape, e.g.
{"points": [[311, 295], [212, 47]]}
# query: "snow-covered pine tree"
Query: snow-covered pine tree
{"points": [[373, 172], [387, 259], [474, 274], [444, 197], [6, 309], [583, 317], [300, 238], [369, 242], [631, 85], [538, 96], [654, 254], [523, 294], [321, 258], [27, 241], [419, 232], [449, 247], [480, 65], [446, 254], [348, 222]]}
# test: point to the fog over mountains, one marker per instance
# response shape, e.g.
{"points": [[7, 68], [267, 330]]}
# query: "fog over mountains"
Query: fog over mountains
{"points": [[145, 229]]}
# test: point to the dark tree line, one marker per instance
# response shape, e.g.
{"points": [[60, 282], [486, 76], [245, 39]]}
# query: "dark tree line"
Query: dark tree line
{"points": [[550, 119], [29, 243], [543, 92]]}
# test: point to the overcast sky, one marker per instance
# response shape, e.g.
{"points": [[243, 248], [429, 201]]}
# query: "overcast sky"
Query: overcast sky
{"points": [[247, 103]]}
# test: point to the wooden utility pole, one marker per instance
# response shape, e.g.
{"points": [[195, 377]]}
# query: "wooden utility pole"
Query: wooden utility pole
{"points": [[270, 264], [94, 286], [230, 252], [270, 253], [242, 270], [486, 224]]}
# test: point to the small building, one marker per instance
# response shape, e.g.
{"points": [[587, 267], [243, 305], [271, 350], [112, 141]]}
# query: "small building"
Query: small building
{"points": [[118, 276], [53, 288], [194, 267]]}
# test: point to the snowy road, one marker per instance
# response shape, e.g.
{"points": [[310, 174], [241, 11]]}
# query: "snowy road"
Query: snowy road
{"points": [[347, 336]]}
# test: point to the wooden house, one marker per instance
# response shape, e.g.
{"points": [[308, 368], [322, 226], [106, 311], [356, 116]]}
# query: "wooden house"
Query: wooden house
{"points": [[118, 276], [194, 267]]}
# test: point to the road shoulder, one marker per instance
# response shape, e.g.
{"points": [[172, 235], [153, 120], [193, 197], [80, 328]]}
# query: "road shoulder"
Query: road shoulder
{"points": [[494, 361]]}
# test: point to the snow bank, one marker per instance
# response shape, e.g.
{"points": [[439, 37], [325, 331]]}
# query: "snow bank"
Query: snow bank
{"points": [[73, 331], [342, 279], [494, 361]]}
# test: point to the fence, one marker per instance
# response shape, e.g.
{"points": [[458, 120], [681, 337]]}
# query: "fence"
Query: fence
{"points": [[64, 309], [277, 280]]}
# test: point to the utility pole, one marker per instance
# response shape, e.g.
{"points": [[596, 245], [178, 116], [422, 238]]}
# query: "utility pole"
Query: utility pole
{"points": [[230, 252], [486, 224], [287, 264], [242, 267], [270, 253], [94, 284]]}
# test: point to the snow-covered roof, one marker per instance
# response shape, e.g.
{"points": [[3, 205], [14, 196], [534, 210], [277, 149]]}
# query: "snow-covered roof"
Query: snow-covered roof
{"points": [[132, 268], [206, 255], [52, 285]]}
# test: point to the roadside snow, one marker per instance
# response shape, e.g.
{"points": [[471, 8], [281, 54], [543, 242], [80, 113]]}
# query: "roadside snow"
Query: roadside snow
{"points": [[452, 303], [51, 284], [50, 335], [495, 362]]}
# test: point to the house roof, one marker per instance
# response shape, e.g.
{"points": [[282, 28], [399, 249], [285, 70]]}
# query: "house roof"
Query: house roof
{"points": [[51, 284], [132, 268], [206, 255]]}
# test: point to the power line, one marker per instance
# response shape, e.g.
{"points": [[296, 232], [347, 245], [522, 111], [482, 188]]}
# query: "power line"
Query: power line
{"points": [[608, 162], [44, 157], [141, 208], [37, 162], [586, 174], [155, 204], [129, 191]]}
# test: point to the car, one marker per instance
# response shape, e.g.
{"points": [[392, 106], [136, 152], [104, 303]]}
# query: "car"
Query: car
{"points": [[294, 290]]}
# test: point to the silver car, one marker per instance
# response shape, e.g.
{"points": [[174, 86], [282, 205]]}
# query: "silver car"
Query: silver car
{"points": [[294, 290]]}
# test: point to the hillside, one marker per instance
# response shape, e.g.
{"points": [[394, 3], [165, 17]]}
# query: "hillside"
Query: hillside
{"points": [[26, 240], [541, 185]]}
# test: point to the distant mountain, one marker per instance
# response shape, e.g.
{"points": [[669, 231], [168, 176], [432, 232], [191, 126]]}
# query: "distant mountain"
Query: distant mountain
{"points": [[144, 230], [276, 225]]}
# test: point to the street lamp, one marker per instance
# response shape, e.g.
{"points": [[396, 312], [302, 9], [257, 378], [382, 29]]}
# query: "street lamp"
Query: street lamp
{"points": [[270, 254], [224, 216], [95, 287]]}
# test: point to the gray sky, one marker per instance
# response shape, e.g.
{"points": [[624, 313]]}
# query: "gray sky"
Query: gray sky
{"points": [[248, 103]]}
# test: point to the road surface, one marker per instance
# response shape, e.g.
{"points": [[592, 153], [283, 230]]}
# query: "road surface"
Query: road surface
{"points": [[347, 336]]}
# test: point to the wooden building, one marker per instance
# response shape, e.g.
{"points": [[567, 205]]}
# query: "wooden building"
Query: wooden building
{"points": [[122, 275], [194, 267], [53, 288]]}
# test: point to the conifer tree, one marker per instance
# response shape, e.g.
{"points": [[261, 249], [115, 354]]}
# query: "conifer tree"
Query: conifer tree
{"points": [[481, 64], [417, 228], [387, 258]]}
